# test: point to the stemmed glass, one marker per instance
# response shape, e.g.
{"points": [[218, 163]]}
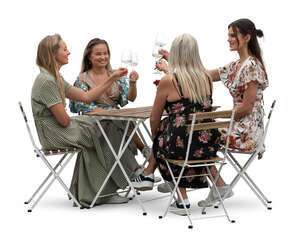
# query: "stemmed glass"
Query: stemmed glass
{"points": [[126, 59], [160, 41], [134, 60]]}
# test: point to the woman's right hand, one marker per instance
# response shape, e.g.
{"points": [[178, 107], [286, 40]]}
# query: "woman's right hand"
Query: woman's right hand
{"points": [[164, 53], [161, 65], [119, 73]]}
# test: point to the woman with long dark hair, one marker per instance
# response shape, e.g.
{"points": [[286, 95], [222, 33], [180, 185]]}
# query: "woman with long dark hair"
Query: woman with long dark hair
{"points": [[246, 78]]}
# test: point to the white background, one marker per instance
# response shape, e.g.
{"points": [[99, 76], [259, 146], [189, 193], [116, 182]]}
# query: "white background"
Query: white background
{"points": [[133, 24]]}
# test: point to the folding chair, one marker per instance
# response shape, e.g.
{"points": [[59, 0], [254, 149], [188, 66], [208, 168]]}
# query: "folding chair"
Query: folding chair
{"points": [[220, 161], [241, 169], [67, 154]]}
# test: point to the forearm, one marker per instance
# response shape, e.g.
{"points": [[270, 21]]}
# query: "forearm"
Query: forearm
{"points": [[249, 98], [214, 73], [132, 92], [78, 94], [154, 125], [243, 110]]}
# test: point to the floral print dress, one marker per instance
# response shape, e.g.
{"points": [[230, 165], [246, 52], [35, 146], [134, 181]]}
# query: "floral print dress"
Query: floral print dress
{"points": [[247, 131], [172, 139], [118, 96]]}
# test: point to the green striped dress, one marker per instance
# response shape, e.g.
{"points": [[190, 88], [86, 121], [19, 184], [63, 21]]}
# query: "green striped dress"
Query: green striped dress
{"points": [[96, 159]]}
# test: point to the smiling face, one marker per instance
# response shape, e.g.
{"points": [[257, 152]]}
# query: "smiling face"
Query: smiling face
{"points": [[236, 40], [62, 55], [99, 56]]}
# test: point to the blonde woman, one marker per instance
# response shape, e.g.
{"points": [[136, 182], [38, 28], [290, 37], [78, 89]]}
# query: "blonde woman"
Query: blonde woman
{"points": [[57, 130], [186, 89]]}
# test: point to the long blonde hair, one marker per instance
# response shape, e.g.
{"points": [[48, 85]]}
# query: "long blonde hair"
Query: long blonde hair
{"points": [[46, 52], [185, 62]]}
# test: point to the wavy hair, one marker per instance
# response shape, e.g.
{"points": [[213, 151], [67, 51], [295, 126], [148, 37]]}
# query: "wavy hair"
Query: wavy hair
{"points": [[46, 52], [185, 62]]}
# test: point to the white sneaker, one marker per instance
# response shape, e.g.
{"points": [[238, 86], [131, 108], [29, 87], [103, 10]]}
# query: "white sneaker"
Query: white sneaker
{"points": [[116, 199], [213, 197], [140, 171], [165, 187], [143, 183]]}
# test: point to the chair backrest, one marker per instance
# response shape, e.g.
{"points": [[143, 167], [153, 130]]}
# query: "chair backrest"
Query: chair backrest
{"points": [[27, 126], [262, 141], [213, 124]]}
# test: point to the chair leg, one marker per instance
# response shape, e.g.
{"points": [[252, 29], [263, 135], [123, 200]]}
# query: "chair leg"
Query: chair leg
{"points": [[56, 177], [250, 180], [45, 180], [219, 195], [176, 188], [241, 174]]}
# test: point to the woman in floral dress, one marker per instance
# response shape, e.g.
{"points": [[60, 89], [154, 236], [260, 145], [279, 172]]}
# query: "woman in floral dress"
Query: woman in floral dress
{"points": [[183, 91], [246, 79]]}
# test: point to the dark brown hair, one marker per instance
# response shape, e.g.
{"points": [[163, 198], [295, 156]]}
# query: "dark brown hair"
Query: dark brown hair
{"points": [[246, 26], [86, 63]]}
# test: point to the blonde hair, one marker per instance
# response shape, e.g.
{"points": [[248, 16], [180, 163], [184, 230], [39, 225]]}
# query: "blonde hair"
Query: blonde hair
{"points": [[185, 62], [46, 52], [86, 63]]}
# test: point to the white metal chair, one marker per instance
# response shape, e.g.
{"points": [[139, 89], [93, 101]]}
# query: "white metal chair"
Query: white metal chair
{"points": [[67, 154], [241, 169], [220, 161]]}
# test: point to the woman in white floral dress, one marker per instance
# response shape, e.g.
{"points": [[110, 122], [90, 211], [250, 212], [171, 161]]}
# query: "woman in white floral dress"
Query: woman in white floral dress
{"points": [[246, 79]]}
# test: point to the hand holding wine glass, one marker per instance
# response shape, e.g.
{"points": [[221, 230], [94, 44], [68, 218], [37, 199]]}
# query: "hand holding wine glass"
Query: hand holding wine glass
{"points": [[160, 41]]}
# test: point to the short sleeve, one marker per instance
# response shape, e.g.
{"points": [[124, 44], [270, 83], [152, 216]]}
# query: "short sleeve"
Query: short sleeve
{"points": [[123, 87], [67, 85], [225, 72], [50, 94], [254, 72]]}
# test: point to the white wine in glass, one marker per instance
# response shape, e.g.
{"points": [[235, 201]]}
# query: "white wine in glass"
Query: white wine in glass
{"points": [[126, 59]]}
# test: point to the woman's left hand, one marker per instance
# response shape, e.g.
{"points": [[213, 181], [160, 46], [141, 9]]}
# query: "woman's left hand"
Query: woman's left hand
{"points": [[133, 76]]}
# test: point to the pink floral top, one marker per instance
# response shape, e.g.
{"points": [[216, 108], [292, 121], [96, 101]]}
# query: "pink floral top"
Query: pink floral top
{"points": [[247, 131]]}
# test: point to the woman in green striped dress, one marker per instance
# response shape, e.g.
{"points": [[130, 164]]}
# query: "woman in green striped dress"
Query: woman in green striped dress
{"points": [[57, 130]]}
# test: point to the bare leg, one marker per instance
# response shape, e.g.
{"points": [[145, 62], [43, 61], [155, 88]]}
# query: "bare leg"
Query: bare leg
{"points": [[214, 172], [151, 166], [183, 193], [138, 142]]}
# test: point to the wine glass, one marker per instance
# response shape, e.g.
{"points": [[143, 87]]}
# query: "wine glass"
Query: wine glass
{"points": [[126, 59], [134, 60], [160, 39]]}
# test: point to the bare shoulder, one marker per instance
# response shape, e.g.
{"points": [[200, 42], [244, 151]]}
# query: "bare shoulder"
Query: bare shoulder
{"points": [[165, 81]]}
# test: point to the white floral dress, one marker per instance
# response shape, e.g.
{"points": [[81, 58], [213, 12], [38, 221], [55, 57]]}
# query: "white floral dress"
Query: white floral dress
{"points": [[247, 131]]}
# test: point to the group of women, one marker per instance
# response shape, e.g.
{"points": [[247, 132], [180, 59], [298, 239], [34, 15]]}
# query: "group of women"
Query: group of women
{"points": [[187, 87]]}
